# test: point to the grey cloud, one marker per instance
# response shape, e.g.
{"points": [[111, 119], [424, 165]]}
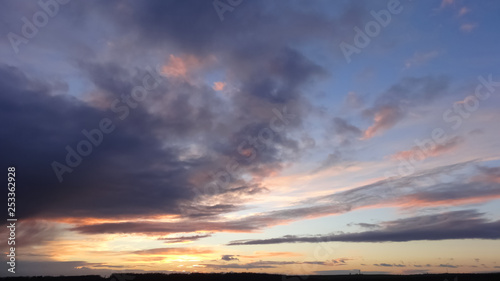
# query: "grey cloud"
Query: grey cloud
{"points": [[367, 225], [333, 159], [145, 166], [467, 224], [448, 265], [261, 264]]}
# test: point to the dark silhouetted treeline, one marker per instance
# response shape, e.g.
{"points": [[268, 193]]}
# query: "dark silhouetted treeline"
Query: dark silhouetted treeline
{"points": [[262, 277]]}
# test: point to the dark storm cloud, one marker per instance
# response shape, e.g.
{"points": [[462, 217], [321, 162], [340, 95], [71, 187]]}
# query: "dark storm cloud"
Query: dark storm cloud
{"points": [[123, 176], [201, 211], [173, 251], [467, 224], [415, 90], [68, 268]]}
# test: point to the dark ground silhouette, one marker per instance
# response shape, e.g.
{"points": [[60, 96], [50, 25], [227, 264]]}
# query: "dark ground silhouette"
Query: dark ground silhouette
{"points": [[263, 277]]}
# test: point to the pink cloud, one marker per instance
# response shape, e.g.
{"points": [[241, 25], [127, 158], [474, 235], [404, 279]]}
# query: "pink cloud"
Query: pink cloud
{"points": [[468, 27], [219, 86]]}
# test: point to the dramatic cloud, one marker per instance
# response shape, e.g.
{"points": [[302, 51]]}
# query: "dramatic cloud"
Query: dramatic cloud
{"points": [[263, 264], [137, 128], [151, 164], [385, 117], [155, 178]]}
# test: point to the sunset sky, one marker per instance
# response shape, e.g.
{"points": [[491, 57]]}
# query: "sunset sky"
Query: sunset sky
{"points": [[297, 137]]}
